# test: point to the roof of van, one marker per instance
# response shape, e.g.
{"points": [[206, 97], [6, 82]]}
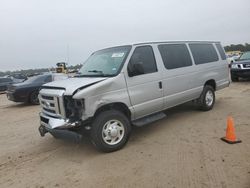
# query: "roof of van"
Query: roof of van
{"points": [[159, 42]]}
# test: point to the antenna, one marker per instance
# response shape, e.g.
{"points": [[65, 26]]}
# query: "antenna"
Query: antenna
{"points": [[67, 61]]}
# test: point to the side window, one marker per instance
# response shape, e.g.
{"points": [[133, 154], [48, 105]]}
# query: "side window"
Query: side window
{"points": [[142, 61], [48, 79], [2, 80], [175, 55], [221, 51], [203, 53]]}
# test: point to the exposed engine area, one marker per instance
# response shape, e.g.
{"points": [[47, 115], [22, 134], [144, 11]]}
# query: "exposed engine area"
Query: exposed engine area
{"points": [[73, 108]]}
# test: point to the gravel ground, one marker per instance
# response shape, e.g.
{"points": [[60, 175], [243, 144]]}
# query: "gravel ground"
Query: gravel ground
{"points": [[182, 150]]}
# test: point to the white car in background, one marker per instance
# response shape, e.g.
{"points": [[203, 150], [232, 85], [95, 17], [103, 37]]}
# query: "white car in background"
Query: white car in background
{"points": [[232, 59]]}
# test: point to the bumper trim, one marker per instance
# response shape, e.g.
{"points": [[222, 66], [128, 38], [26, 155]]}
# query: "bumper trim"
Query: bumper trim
{"points": [[244, 73], [53, 123], [63, 134]]}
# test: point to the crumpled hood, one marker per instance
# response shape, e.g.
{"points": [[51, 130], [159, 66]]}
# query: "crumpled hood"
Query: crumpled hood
{"points": [[72, 84]]}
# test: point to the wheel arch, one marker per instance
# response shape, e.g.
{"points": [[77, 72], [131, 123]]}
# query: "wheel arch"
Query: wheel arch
{"points": [[117, 106], [212, 83], [31, 92]]}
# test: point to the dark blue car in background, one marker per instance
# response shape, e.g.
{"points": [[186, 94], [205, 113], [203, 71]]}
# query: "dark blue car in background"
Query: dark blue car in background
{"points": [[28, 90], [4, 82]]}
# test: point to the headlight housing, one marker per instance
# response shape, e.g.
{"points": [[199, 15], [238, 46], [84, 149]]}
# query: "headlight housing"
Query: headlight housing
{"points": [[235, 66], [73, 107]]}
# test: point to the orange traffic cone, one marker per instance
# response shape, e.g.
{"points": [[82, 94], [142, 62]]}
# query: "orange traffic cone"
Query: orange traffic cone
{"points": [[230, 134]]}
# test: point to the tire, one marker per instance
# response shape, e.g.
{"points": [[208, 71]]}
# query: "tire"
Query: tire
{"points": [[207, 99], [234, 78], [110, 131], [33, 99]]}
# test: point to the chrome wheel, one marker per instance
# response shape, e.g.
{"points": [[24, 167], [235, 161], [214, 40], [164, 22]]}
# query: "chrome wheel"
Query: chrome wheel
{"points": [[209, 98], [113, 132]]}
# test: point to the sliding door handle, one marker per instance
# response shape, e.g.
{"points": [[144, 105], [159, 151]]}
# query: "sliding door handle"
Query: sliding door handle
{"points": [[160, 85]]}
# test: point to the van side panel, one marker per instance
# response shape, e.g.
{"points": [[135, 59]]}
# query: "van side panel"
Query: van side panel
{"points": [[177, 83], [186, 83], [217, 71]]}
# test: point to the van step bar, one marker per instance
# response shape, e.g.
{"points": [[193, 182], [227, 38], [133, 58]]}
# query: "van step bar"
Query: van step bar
{"points": [[149, 119]]}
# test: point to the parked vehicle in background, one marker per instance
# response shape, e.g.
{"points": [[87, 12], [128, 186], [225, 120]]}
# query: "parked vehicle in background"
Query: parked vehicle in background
{"points": [[131, 85], [229, 60], [241, 67], [28, 90], [232, 59], [4, 82], [61, 68], [18, 77]]}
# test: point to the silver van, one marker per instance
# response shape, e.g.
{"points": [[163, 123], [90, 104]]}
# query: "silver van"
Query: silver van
{"points": [[125, 86]]}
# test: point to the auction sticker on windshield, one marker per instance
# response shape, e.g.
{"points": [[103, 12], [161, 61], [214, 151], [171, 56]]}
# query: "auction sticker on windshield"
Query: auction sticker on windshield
{"points": [[121, 54]]}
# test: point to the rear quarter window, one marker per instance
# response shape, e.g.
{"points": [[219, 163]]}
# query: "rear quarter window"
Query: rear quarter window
{"points": [[221, 51], [203, 53]]}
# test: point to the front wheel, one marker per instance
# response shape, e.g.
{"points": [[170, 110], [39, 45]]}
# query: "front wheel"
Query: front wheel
{"points": [[34, 98], [207, 99], [110, 131]]}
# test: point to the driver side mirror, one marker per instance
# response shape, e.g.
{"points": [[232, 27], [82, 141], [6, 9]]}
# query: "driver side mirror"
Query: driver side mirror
{"points": [[135, 68]]}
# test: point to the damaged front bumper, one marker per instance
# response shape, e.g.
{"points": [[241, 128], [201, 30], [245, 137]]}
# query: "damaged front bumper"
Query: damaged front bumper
{"points": [[59, 128]]}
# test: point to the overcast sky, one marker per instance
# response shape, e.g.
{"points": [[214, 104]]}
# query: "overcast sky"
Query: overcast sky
{"points": [[37, 33]]}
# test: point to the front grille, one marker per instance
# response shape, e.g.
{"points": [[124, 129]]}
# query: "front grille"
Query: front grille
{"points": [[50, 105], [246, 66], [51, 101], [47, 97], [50, 111]]}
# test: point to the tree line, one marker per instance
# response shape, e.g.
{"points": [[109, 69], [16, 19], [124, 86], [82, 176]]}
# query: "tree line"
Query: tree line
{"points": [[238, 47], [29, 72]]}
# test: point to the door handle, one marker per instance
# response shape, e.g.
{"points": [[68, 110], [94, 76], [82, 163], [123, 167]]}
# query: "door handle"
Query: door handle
{"points": [[160, 85]]}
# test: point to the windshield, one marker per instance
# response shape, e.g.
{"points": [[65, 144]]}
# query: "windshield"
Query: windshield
{"points": [[245, 56], [107, 62]]}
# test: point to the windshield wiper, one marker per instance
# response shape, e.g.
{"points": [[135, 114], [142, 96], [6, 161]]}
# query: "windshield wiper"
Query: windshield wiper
{"points": [[96, 71], [100, 73]]}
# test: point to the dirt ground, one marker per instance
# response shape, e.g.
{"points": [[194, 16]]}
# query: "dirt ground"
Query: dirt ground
{"points": [[182, 150]]}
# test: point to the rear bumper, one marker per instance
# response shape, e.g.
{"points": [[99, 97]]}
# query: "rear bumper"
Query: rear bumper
{"points": [[16, 98], [3, 88], [244, 73], [59, 128]]}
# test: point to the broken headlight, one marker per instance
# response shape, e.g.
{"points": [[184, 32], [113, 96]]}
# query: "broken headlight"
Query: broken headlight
{"points": [[73, 108]]}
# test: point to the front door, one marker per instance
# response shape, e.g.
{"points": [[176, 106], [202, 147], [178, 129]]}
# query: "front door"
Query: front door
{"points": [[144, 82]]}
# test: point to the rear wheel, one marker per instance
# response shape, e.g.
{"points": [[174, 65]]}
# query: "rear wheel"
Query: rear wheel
{"points": [[207, 99], [110, 131], [34, 97]]}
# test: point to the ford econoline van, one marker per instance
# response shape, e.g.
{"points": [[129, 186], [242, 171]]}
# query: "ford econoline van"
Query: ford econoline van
{"points": [[131, 85]]}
